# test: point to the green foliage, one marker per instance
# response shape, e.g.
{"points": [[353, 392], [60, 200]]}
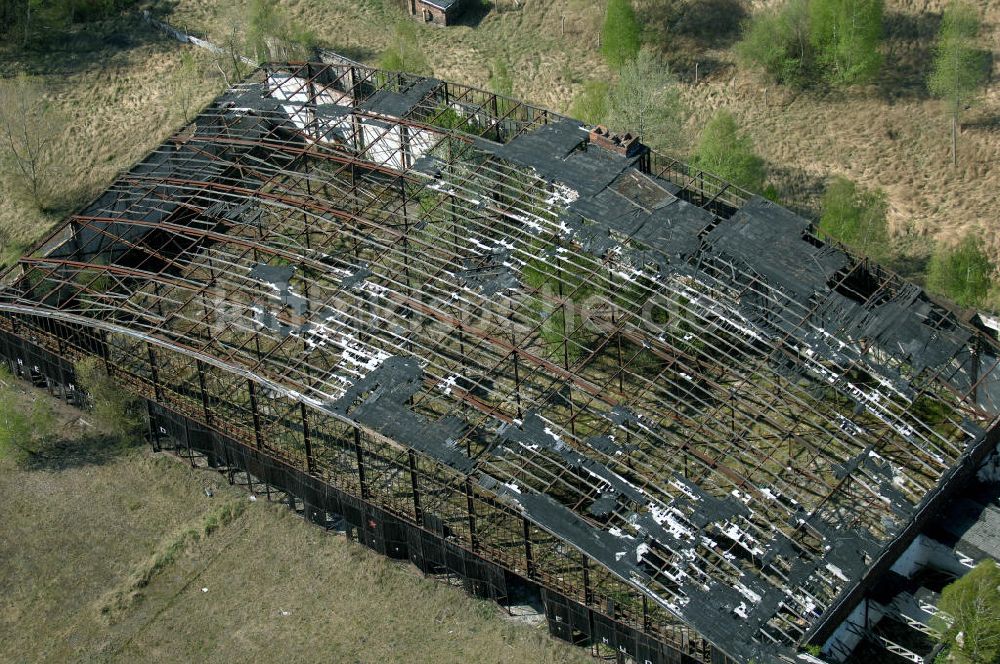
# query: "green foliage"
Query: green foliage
{"points": [[959, 67], [271, 34], [564, 275], [778, 41], [645, 101], [808, 41], [846, 36], [729, 153], [114, 410], [404, 52], [591, 105], [24, 432], [620, 39], [963, 273], [185, 82], [501, 82], [973, 603], [855, 218]]}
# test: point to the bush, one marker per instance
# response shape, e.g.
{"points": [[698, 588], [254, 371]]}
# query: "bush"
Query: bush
{"points": [[973, 603], [645, 101], [405, 53], [846, 35], [963, 273], [808, 41], [23, 432], [620, 39], [778, 42], [591, 105], [115, 411], [501, 82], [855, 218], [545, 275], [729, 153], [271, 33]]}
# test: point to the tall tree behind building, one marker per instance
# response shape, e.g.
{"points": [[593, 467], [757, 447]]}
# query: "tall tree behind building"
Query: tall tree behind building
{"points": [[959, 66], [645, 101]]}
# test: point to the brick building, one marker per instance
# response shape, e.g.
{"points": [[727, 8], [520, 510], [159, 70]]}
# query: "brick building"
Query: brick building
{"points": [[439, 12]]}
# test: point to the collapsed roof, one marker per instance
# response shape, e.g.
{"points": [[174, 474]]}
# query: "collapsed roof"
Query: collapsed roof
{"points": [[676, 378]]}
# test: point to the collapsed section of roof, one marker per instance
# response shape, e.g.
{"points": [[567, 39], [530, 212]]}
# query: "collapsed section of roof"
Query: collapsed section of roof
{"points": [[671, 376]]}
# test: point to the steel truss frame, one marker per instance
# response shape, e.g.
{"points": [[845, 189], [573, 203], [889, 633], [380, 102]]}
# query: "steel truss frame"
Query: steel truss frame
{"points": [[289, 272]]}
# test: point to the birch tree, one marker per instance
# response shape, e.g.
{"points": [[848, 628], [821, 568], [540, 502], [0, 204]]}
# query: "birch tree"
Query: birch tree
{"points": [[959, 66], [645, 101]]}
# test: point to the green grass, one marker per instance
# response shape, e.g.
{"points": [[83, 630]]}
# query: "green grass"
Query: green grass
{"points": [[135, 532], [119, 600]]}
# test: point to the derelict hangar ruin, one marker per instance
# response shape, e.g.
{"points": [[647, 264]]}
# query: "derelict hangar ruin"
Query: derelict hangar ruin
{"points": [[521, 350]]}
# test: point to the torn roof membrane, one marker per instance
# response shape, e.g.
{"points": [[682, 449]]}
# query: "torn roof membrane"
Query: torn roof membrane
{"points": [[677, 379]]}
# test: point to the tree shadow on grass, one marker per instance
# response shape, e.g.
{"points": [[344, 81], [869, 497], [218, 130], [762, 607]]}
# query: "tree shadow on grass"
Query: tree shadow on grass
{"points": [[912, 267], [474, 13], [356, 53], [799, 191], [698, 24], [87, 450], [908, 54], [78, 47]]}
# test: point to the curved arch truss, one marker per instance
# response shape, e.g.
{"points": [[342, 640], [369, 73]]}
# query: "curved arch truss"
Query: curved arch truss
{"points": [[598, 367]]}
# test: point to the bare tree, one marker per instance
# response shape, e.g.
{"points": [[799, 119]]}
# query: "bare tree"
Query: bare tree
{"points": [[27, 133]]}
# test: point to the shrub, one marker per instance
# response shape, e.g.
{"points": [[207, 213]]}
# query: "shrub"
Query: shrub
{"points": [[729, 153], [23, 432], [645, 101], [778, 42], [545, 275], [846, 35], [591, 105], [963, 273], [115, 411], [501, 82], [855, 217], [404, 52], [620, 39], [973, 603], [808, 41]]}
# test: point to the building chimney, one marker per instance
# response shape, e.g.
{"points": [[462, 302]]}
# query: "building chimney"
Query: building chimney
{"points": [[624, 144]]}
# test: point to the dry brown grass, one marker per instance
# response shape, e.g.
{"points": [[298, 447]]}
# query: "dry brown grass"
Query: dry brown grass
{"points": [[114, 104]]}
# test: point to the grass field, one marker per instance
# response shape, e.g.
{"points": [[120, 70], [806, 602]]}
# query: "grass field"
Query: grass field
{"points": [[81, 527], [113, 86]]}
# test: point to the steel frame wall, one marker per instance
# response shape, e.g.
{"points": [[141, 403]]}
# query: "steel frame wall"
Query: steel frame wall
{"points": [[398, 363]]}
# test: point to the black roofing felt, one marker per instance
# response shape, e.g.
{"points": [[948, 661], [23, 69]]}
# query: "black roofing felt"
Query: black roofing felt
{"points": [[554, 151], [605, 204], [399, 104]]}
